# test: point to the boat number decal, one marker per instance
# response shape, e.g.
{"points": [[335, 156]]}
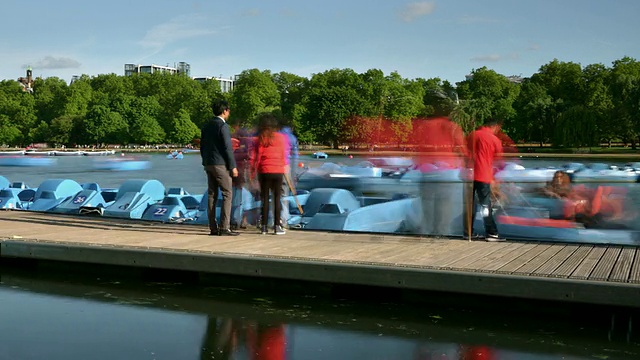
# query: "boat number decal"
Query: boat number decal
{"points": [[79, 199], [160, 211]]}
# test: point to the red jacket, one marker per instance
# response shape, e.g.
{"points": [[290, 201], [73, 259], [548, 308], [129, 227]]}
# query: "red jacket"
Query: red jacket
{"points": [[439, 140], [484, 147], [270, 159]]}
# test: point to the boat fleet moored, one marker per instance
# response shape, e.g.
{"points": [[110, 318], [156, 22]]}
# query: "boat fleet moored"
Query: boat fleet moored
{"points": [[364, 197]]}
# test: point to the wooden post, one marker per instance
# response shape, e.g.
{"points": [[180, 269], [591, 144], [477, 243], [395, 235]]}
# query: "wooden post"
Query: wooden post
{"points": [[469, 185], [293, 191]]}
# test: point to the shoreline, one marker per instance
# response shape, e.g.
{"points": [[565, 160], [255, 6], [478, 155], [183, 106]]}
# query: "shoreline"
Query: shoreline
{"points": [[379, 153]]}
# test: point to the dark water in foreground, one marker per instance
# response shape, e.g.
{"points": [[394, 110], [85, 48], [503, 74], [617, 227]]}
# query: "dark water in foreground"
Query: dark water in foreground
{"points": [[46, 316]]}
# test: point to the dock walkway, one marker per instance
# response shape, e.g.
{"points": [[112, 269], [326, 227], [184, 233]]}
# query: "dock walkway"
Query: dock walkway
{"points": [[592, 274]]}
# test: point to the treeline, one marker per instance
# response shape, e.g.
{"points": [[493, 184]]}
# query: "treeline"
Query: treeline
{"points": [[564, 104]]}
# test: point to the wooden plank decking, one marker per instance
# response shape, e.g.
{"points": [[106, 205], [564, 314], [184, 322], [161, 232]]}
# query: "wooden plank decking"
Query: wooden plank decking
{"points": [[597, 274]]}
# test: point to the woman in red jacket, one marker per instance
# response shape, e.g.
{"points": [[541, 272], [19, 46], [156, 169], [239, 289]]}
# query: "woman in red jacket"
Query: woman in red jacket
{"points": [[269, 163]]}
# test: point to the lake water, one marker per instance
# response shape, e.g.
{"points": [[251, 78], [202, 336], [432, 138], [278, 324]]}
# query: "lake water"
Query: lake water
{"points": [[49, 315], [186, 173]]}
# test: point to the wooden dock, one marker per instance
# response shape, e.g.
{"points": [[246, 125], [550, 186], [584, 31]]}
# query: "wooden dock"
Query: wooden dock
{"points": [[591, 274]]}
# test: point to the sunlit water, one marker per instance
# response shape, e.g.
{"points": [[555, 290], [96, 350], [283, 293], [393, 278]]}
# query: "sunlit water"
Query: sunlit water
{"points": [[67, 317]]}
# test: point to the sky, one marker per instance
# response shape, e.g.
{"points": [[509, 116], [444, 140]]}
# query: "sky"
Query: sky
{"points": [[221, 38]]}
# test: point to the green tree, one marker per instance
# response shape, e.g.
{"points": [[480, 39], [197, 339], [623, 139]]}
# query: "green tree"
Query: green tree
{"points": [[576, 127], [9, 133], [79, 96], [40, 133], [440, 97], [536, 113], [19, 107], [404, 98], [332, 97], [625, 87], [184, 130], [291, 88], [141, 117], [50, 96], [599, 101], [254, 92], [60, 129], [105, 126]]}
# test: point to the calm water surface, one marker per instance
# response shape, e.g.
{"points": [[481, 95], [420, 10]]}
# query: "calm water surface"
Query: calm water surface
{"points": [[49, 316]]}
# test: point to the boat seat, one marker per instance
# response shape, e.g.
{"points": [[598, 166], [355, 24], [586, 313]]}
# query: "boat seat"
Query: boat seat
{"points": [[330, 209], [170, 200], [109, 196], [47, 195], [190, 202], [27, 195]]}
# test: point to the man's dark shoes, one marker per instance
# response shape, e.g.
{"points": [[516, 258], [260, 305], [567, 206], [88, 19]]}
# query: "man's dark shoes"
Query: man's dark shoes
{"points": [[227, 232]]}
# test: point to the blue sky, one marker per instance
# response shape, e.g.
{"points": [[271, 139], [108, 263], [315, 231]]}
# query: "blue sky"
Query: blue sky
{"points": [[445, 39]]}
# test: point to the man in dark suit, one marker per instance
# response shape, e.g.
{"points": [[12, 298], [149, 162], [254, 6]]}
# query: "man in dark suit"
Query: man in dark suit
{"points": [[217, 158]]}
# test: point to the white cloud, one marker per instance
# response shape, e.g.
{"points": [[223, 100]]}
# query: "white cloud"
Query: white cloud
{"points": [[52, 62], [416, 10], [176, 29]]}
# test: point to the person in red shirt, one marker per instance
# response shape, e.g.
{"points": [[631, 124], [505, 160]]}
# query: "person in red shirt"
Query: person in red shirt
{"points": [[484, 147], [440, 144], [269, 163]]}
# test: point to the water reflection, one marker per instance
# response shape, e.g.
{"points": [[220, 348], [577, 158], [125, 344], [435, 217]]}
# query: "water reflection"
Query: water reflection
{"points": [[49, 316]]}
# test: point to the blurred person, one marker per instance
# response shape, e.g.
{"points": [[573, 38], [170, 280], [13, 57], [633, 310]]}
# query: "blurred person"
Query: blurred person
{"points": [[220, 339], [559, 187], [267, 342], [291, 157], [292, 151], [484, 147], [477, 352], [238, 215], [441, 147], [216, 150], [602, 207], [269, 164]]}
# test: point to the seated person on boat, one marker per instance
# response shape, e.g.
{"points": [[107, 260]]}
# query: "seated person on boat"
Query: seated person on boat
{"points": [[601, 207]]}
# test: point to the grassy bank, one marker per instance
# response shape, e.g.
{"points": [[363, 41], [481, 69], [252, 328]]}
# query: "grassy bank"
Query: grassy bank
{"points": [[603, 153]]}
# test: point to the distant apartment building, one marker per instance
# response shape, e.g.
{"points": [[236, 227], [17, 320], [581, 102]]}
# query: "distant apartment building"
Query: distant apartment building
{"points": [[179, 68], [226, 85]]}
